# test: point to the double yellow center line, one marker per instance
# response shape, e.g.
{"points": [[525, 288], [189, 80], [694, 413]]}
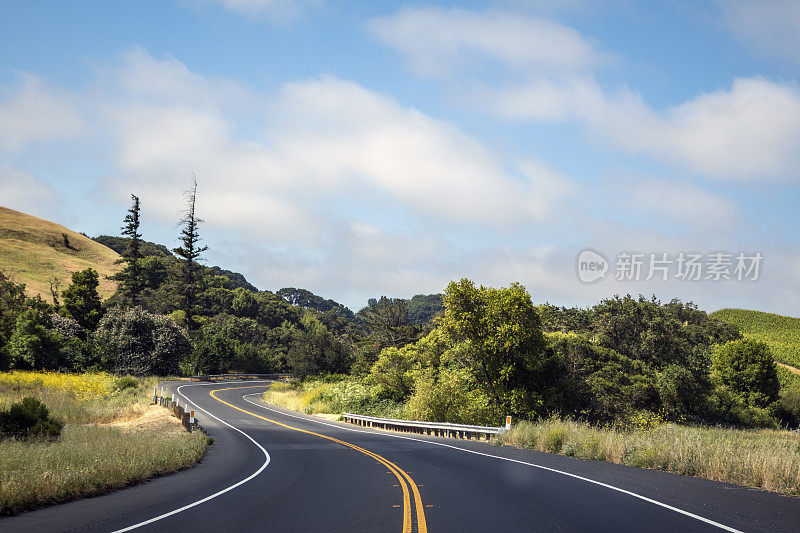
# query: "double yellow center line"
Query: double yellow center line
{"points": [[403, 478]]}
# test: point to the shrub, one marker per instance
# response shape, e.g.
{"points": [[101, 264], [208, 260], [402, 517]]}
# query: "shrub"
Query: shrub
{"points": [[29, 419], [788, 409], [554, 439], [133, 341], [450, 397], [683, 391], [32, 345], [126, 382], [747, 368]]}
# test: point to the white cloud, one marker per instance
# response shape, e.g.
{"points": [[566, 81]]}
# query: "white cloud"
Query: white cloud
{"points": [[31, 111], [772, 26], [22, 191], [437, 42], [317, 146], [276, 9], [751, 130], [337, 133], [679, 205]]}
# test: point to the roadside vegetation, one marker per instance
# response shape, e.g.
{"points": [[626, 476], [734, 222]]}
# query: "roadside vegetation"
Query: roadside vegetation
{"points": [[765, 459], [111, 438], [630, 380]]}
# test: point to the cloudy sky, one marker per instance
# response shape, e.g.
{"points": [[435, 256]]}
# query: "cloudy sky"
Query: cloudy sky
{"points": [[359, 149]]}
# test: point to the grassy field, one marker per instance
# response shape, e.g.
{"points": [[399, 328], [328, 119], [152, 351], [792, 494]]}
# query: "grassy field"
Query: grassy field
{"points": [[781, 333], [766, 459], [33, 251], [112, 438]]}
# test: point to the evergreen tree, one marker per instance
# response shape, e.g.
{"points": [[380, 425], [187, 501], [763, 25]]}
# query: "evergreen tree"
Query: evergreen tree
{"points": [[190, 252], [81, 299], [132, 277]]}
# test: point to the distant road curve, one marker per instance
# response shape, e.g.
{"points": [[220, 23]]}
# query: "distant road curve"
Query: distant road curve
{"points": [[792, 369], [276, 470]]}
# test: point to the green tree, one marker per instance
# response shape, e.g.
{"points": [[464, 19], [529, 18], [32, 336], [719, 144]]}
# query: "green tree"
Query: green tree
{"points": [[392, 372], [132, 277], [395, 372], [747, 368], [82, 301], [658, 334], [451, 396], [684, 392], [596, 384], [423, 308], [12, 303], [387, 323], [315, 350], [190, 252], [499, 340], [212, 353], [133, 341], [32, 345]]}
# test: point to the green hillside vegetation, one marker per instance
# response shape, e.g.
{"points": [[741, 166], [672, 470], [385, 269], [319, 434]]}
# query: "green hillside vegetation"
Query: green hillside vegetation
{"points": [[781, 333], [34, 251]]}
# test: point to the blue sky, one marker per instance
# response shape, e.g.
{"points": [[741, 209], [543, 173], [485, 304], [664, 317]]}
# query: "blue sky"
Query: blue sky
{"points": [[360, 149]]}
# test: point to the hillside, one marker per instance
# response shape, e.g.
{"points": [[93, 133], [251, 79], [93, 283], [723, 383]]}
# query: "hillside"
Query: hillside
{"points": [[781, 333], [34, 250]]}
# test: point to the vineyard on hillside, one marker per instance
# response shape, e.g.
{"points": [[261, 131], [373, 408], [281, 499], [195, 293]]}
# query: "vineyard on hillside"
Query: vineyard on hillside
{"points": [[781, 333]]}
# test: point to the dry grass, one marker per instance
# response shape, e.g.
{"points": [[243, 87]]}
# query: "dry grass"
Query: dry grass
{"points": [[78, 398], [112, 439], [32, 251], [766, 459], [91, 459], [287, 396]]}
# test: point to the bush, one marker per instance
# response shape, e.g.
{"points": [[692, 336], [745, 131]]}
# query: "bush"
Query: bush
{"points": [[450, 397], [133, 341], [126, 382], [29, 419], [747, 368], [683, 392], [32, 345], [788, 409]]}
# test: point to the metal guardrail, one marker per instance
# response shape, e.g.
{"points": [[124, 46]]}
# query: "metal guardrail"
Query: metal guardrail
{"points": [[439, 429], [163, 397]]}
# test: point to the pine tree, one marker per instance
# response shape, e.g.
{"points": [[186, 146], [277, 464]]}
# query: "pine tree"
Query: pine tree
{"points": [[131, 276], [190, 252], [81, 300]]}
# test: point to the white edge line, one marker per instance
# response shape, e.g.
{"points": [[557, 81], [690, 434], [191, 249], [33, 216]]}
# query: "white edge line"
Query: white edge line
{"points": [[212, 496], [606, 485]]}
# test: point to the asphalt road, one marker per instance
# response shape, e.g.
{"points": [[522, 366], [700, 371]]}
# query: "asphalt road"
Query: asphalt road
{"points": [[275, 470]]}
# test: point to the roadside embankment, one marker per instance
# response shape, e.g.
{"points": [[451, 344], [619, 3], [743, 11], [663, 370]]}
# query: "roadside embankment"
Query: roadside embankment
{"points": [[112, 438], [766, 459]]}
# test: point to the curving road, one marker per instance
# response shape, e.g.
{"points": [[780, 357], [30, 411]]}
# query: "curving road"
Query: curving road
{"points": [[275, 470]]}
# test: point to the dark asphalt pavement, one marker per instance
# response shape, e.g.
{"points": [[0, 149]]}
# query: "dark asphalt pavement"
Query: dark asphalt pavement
{"points": [[306, 482]]}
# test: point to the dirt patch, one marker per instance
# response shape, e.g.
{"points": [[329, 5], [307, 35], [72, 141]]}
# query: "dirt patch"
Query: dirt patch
{"points": [[791, 369], [153, 416]]}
